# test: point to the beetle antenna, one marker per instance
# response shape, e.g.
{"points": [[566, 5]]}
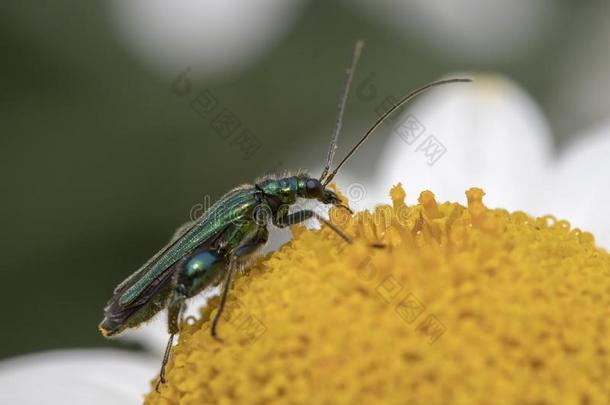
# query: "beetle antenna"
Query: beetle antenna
{"points": [[349, 75], [385, 116]]}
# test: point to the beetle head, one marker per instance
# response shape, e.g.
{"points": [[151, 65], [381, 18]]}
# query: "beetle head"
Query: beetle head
{"points": [[314, 189]]}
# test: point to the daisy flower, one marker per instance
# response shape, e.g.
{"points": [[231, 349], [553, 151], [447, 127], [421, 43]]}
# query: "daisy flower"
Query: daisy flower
{"points": [[486, 295], [464, 303]]}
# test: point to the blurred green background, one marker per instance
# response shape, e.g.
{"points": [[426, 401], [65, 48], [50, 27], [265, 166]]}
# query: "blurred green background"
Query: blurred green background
{"points": [[101, 160]]}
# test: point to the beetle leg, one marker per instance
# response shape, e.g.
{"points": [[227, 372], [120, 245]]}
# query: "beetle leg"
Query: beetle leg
{"points": [[300, 216], [175, 309], [223, 299], [168, 348], [259, 239]]}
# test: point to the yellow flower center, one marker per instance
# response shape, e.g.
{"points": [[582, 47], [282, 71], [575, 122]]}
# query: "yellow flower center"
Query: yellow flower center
{"points": [[463, 305]]}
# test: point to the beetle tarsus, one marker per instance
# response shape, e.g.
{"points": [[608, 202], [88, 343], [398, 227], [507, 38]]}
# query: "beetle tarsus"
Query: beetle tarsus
{"points": [[168, 349], [161, 381], [216, 337]]}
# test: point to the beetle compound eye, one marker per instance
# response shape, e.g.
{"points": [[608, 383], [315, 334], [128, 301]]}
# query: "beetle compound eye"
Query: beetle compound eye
{"points": [[314, 187]]}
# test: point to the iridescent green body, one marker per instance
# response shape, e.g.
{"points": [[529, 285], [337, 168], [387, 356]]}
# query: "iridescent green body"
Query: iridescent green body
{"points": [[202, 251]]}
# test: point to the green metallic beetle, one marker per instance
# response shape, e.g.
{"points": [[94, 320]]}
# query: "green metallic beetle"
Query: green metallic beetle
{"points": [[206, 252]]}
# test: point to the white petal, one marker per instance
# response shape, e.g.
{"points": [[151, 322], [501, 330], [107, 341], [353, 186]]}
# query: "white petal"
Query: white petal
{"points": [[471, 30], [581, 192], [575, 101], [96, 376], [487, 134], [211, 36]]}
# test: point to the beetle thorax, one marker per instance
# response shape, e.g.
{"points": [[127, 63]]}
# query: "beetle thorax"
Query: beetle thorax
{"points": [[286, 189]]}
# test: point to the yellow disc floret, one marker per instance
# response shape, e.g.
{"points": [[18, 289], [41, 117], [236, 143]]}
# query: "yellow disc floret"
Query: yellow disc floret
{"points": [[463, 305]]}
